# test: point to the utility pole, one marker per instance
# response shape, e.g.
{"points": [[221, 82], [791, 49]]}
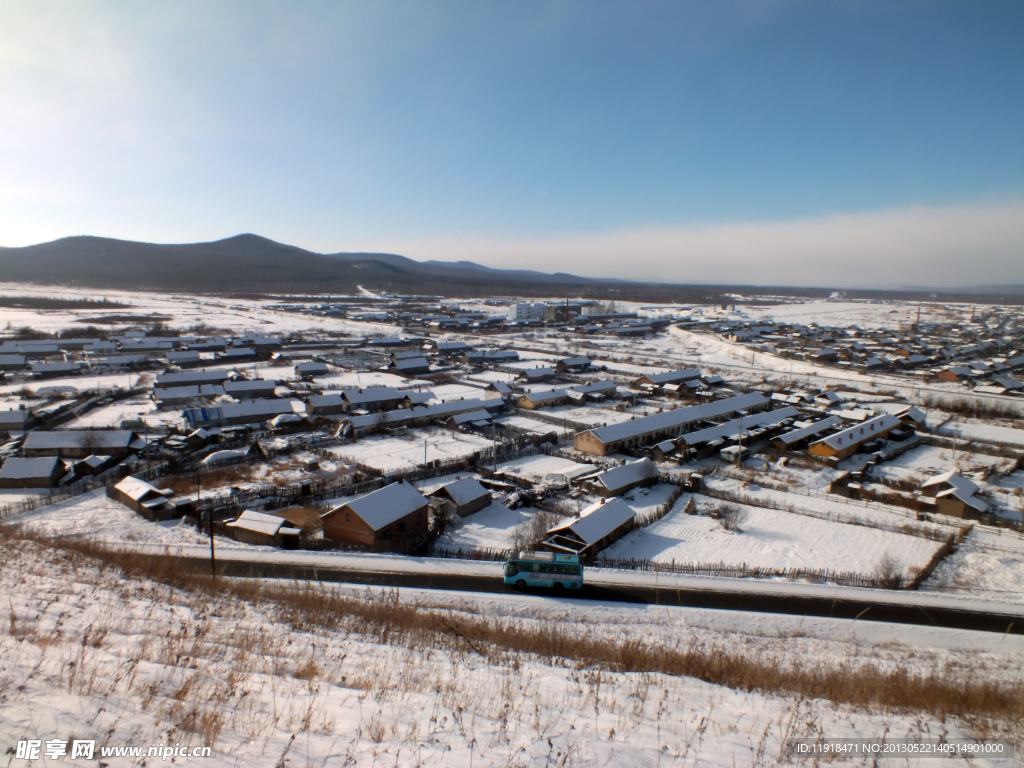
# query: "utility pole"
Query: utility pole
{"points": [[213, 560]]}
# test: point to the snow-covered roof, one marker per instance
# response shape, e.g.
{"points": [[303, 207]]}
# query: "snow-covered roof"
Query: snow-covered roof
{"points": [[575, 362], [464, 491], [25, 469], [429, 411], [860, 433], [16, 417], [258, 522], [670, 377], [633, 472], [677, 418], [381, 508], [597, 521], [252, 410], [481, 416], [537, 373], [75, 438], [746, 424], [138, 490], [306, 369], [193, 377], [371, 395], [546, 396], [598, 386], [259, 385], [411, 363], [810, 430], [188, 392]]}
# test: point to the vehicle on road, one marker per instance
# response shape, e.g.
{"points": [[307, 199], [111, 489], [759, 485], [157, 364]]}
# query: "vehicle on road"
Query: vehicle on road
{"points": [[544, 569]]}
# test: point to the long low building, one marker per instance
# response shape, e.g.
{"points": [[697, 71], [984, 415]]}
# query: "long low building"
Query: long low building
{"points": [[415, 417], [78, 443], [848, 441], [744, 426], [795, 437], [248, 412], [657, 427]]}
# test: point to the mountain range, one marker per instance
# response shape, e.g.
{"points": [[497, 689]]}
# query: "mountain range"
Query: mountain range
{"points": [[250, 264]]}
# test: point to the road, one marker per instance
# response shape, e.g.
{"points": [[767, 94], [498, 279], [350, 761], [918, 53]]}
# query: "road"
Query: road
{"points": [[869, 608]]}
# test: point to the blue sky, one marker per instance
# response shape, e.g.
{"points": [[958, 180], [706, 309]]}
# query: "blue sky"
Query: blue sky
{"points": [[803, 142]]}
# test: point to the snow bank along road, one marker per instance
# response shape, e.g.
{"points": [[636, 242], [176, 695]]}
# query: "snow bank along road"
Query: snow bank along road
{"points": [[602, 585]]}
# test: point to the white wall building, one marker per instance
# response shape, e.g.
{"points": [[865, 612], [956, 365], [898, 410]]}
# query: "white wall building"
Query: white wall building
{"points": [[525, 312]]}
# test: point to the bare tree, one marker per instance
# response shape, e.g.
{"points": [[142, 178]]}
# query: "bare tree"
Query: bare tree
{"points": [[733, 518], [527, 535], [890, 571]]}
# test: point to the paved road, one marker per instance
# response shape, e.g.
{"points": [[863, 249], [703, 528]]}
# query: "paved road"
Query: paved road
{"points": [[794, 605]]}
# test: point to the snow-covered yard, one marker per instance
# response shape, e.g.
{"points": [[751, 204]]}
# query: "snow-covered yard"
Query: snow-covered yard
{"points": [[769, 538], [402, 452], [490, 528]]}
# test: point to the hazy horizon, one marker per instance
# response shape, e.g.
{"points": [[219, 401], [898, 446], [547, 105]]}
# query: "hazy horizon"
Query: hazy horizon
{"points": [[778, 143]]}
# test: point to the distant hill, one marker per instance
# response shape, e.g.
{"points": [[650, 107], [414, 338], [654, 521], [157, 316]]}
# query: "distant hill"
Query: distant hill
{"points": [[246, 264], [250, 264]]}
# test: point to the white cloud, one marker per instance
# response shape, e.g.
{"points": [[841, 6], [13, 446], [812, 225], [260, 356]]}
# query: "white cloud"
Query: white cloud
{"points": [[924, 246]]}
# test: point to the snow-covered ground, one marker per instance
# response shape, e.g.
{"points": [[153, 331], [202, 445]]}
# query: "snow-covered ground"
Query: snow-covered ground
{"points": [[490, 528], [403, 452], [132, 409], [770, 538], [90, 654]]}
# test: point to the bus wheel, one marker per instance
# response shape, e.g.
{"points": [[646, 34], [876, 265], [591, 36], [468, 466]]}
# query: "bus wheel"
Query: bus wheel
{"points": [[520, 584], [558, 585]]}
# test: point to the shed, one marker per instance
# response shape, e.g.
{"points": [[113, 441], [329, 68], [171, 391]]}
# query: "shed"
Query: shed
{"points": [[148, 500], [467, 495], [263, 530], [596, 528], [618, 480], [956, 496]]}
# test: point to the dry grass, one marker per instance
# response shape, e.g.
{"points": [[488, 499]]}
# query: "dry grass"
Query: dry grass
{"points": [[209, 479], [387, 620]]}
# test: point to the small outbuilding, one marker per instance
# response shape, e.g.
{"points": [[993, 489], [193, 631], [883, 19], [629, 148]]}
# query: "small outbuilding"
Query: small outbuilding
{"points": [[618, 480], [263, 530], [467, 495], [596, 528], [149, 501]]}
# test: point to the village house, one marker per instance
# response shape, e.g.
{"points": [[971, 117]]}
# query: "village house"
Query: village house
{"points": [[309, 370], [573, 364], [848, 441], [390, 519], [31, 473], [79, 443]]}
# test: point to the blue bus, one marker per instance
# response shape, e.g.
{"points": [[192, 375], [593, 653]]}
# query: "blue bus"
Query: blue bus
{"points": [[544, 569]]}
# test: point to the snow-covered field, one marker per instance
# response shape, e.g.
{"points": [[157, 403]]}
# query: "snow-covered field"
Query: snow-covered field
{"points": [[90, 654], [770, 538]]}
